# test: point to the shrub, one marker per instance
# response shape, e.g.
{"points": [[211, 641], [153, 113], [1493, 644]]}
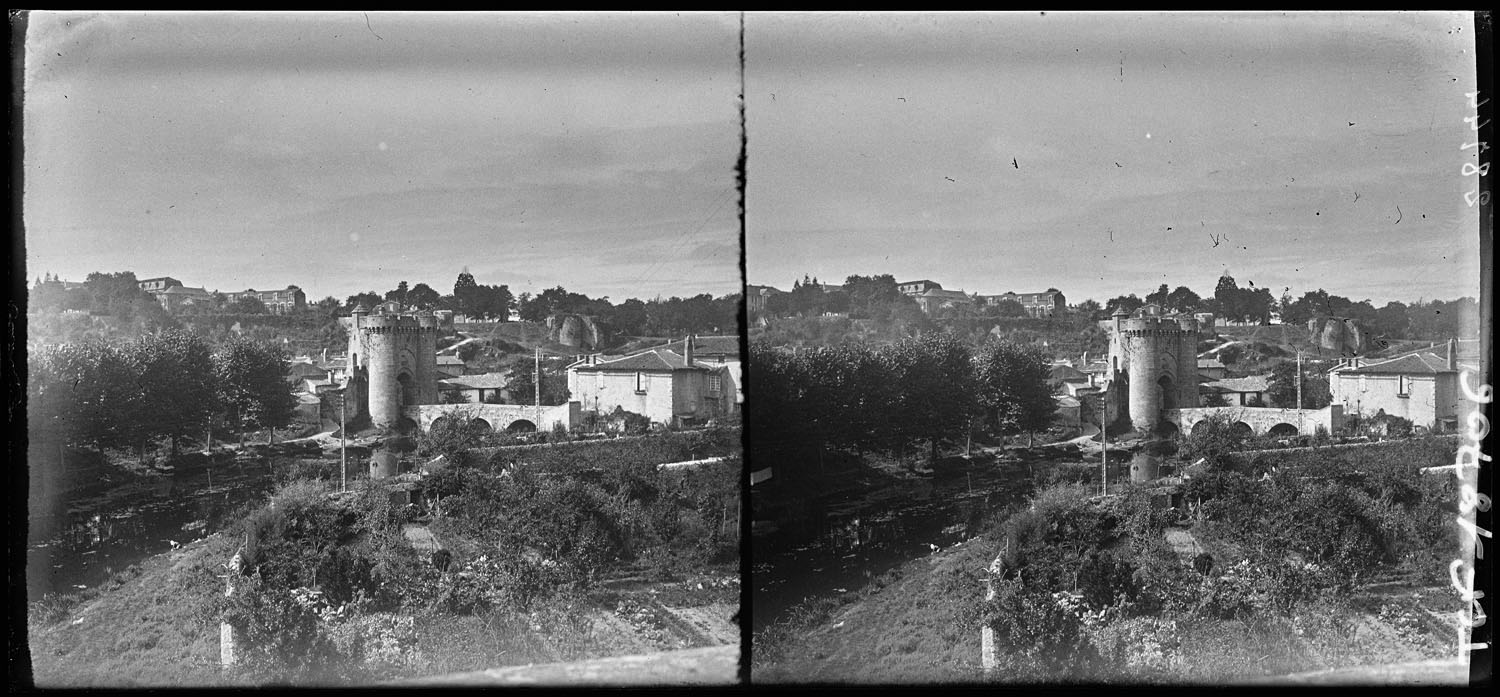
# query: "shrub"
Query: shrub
{"points": [[1036, 637]]}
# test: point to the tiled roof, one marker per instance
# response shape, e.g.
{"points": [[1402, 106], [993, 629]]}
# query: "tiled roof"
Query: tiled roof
{"points": [[1411, 364], [1066, 401], [950, 294], [305, 370], [1209, 363], [184, 290], [1065, 373], [482, 381], [1253, 383], [714, 345], [657, 359], [450, 360]]}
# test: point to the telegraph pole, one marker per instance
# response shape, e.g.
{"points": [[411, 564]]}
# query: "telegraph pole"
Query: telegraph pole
{"points": [[1104, 442], [1299, 378], [343, 446]]}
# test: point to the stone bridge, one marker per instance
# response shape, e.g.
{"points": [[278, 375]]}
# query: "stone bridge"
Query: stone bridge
{"points": [[499, 417], [1261, 420]]}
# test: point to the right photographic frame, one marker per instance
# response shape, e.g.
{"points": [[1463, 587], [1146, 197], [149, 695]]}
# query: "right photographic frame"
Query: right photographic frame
{"points": [[1143, 348]]}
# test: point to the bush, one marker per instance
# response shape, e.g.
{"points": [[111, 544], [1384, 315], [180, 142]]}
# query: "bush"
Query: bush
{"points": [[1036, 637]]}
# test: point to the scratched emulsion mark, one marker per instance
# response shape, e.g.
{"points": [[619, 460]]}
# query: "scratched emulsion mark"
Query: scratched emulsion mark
{"points": [[1470, 457]]}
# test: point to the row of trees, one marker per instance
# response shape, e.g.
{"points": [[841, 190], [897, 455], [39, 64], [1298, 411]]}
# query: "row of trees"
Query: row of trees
{"points": [[170, 384], [657, 317], [1396, 320], [931, 389]]}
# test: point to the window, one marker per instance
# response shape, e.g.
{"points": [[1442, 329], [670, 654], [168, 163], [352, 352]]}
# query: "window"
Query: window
{"points": [[640, 382], [1403, 386], [713, 385]]}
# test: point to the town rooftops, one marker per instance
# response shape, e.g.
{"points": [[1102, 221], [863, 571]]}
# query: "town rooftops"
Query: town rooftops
{"points": [[482, 381], [1067, 373], [948, 294], [1253, 383], [184, 290], [306, 370], [1424, 363], [659, 359], [716, 346]]}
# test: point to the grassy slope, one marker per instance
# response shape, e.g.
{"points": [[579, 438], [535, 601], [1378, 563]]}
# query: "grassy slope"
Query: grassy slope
{"points": [[901, 628], [144, 631], [909, 627]]}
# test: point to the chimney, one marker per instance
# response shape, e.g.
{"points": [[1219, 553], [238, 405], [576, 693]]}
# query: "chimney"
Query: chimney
{"points": [[687, 350], [1452, 354]]}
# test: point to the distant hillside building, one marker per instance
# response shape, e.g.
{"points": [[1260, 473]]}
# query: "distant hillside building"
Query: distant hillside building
{"points": [[277, 302], [1048, 303], [916, 288], [756, 297], [179, 298], [936, 299], [156, 285]]}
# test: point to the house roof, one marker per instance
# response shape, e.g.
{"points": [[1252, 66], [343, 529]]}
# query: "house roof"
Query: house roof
{"points": [[659, 359], [1253, 383], [1209, 363], [184, 290], [1066, 401], [1067, 373], [482, 381], [450, 360], [717, 345], [1425, 363], [931, 283], [946, 294], [305, 369]]}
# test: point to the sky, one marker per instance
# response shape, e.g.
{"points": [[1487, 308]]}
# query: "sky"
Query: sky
{"points": [[344, 152], [1106, 154]]}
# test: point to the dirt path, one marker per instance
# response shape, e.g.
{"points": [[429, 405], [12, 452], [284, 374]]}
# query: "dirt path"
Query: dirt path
{"points": [[421, 538], [1184, 544], [715, 665]]}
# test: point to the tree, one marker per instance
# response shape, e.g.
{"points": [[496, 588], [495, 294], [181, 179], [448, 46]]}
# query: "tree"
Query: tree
{"points": [[368, 298], [1006, 308], [251, 384], [522, 385], [86, 393], [327, 305], [247, 305], [1011, 382], [628, 317], [1183, 299], [176, 374], [422, 296], [1160, 296], [463, 291], [1091, 309], [1128, 303], [932, 377], [1228, 300], [1283, 389], [398, 293]]}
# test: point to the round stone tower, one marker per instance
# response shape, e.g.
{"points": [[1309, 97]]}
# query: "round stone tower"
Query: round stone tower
{"points": [[1158, 358], [395, 355]]}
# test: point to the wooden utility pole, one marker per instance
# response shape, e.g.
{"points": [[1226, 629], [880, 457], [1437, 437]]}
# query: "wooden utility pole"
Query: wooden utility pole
{"points": [[1299, 378], [343, 446], [1104, 442]]}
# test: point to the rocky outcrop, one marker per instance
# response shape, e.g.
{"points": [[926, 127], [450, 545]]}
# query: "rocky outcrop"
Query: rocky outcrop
{"points": [[1343, 336], [578, 331]]}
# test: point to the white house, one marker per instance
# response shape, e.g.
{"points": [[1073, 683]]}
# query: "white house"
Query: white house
{"points": [[1421, 387], [667, 387]]}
